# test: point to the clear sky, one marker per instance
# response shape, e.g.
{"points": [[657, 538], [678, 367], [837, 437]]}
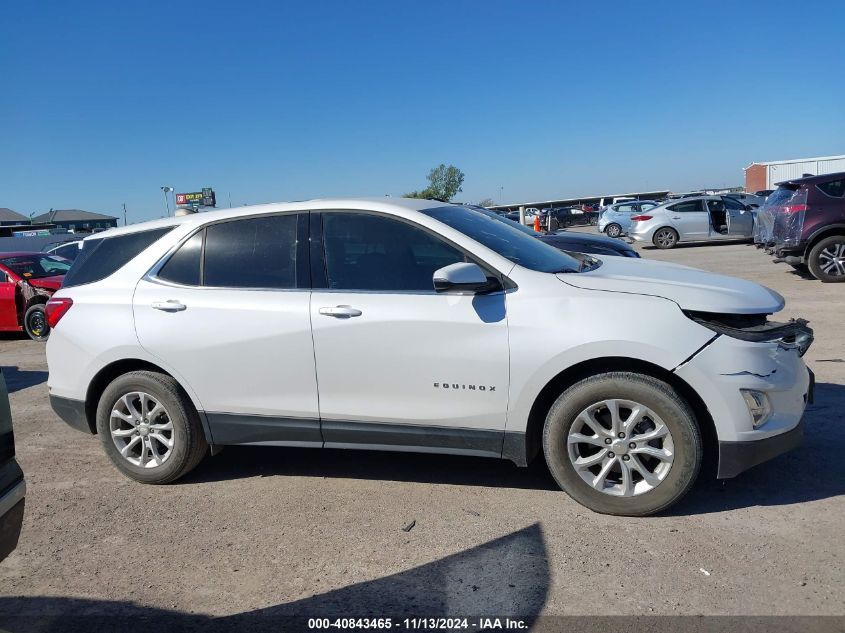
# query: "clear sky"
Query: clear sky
{"points": [[102, 103]]}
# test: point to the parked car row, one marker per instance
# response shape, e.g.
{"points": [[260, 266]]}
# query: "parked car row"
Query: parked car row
{"points": [[803, 225], [692, 219]]}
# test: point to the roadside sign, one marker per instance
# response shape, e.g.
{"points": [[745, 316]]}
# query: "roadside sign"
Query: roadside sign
{"points": [[204, 198]]}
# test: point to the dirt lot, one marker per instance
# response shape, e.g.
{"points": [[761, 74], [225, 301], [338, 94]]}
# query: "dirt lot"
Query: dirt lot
{"points": [[321, 532]]}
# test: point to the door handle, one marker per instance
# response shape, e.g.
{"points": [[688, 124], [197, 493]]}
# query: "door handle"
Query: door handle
{"points": [[340, 312], [171, 305]]}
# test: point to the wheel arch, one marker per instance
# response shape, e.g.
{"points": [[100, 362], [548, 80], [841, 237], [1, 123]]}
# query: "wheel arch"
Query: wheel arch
{"points": [[571, 375], [823, 233], [110, 372]]}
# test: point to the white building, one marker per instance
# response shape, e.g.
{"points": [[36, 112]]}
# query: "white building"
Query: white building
{"points": [[765, 175]]}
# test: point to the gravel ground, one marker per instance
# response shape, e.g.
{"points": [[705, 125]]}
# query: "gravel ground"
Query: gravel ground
{"points": [[296, 531]]}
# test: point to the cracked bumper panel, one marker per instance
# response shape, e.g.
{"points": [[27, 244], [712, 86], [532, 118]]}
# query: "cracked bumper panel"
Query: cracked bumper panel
{"points": [[728, 365]]}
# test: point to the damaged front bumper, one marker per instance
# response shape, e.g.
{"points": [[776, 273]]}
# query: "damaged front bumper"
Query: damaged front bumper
{"points": [[720, 372]]}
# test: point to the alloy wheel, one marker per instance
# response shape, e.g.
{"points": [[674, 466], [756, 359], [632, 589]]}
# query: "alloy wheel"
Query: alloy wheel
{"points": [[665, 238], [832, 259], [141, 430], [620, 447], [613, 230]]}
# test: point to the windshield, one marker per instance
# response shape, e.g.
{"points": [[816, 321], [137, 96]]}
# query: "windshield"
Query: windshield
{"points": [[509, 239], [36, 266]]}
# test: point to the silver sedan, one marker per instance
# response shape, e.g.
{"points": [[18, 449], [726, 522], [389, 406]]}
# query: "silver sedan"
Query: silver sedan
{"points": [[699, 219]]}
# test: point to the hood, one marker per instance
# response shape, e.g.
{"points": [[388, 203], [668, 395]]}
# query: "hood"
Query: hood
{"points": [[690, 288], [48, 283]]}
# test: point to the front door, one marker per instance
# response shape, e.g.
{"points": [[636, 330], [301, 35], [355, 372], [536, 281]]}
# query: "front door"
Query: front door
{"points": [[740, 220], [229, 312], [399, 365], [691, 219]]}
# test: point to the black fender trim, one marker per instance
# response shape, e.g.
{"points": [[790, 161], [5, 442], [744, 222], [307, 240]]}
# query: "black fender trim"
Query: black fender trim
{"points": [[72, 412]]}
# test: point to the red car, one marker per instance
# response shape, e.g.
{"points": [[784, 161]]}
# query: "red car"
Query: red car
{"points": [[27, 280]]}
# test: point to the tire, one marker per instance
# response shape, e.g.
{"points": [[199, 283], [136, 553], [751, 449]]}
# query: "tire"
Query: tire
{"points": [[827, 259], [186, 434], [670, 478], [613, 230], [665, 238], [35, 323]]}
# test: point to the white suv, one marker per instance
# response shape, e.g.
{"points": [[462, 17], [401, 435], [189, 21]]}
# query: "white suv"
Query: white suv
{"points": [[413, 325]]}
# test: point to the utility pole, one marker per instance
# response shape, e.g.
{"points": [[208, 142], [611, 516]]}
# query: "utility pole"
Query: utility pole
{"points": [[124, 214]]}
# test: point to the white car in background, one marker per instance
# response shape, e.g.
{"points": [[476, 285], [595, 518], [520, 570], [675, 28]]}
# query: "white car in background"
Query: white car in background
{"points": [[413, 325], [615, 220], [698, 219]]}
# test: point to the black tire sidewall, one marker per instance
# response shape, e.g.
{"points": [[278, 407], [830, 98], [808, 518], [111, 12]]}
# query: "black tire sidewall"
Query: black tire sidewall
{"points": [[813, 260], [186, 426], [30, 311], [667, 246], [651, 392]]}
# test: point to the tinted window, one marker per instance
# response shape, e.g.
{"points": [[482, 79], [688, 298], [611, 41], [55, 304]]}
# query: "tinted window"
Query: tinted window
{"points": [[835, 188], [371, 252], [36, 266], [183, 267], [501, 236], [70, 251], [100, 258], [687, 207], [734, 204], [252, 253], [716, 205]]}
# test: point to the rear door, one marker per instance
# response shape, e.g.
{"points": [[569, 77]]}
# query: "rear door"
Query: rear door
{"points": [[12, 486], [228, 311], [739, 219], [691, 219], [8, 308]]}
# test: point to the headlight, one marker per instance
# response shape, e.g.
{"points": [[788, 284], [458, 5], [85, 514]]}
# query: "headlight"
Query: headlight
{"points": [[758, 405]]}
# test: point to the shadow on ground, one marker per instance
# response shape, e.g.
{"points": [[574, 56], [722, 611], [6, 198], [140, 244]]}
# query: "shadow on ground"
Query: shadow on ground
{"points": [[508, 576], [18, 379], [810, 473]]}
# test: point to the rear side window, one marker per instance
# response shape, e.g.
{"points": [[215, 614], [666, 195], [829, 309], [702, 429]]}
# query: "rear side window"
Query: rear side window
{"points": [[732, 203], [101, 257], [251, 253], [689, 206], [834, 188], [183, 267]]}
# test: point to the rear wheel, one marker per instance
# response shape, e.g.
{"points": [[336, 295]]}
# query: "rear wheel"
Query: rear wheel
{"points": [[827, 259], [622, 443], [149, 428], [613, 230], [665, 238], [35, 323]]}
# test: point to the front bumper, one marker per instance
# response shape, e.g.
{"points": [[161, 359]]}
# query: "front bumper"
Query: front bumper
{"points": [[721, 369], [737, 457]]}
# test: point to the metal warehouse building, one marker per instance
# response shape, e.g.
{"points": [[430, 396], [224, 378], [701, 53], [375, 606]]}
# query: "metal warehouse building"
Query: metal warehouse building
{"points": [[760, 176]]}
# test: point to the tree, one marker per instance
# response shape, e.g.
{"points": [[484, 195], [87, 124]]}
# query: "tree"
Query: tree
{"points": [[487, 202], [443, 184]]}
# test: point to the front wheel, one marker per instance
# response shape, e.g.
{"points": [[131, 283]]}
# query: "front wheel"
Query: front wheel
{"points": [[35, 323], [613, 230], [622, 443], [665, 238], [827, 259], [149, 428]]}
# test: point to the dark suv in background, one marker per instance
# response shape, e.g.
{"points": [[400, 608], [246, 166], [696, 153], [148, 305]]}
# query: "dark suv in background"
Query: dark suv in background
{"points": [[803, 224]]}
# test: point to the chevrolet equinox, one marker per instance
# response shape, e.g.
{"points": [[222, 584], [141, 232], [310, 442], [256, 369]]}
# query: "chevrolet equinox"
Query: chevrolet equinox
{"points": [[413, 325]]}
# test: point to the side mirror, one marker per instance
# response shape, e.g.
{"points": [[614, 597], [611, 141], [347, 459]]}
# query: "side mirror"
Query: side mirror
{"points": [[462, 278]]}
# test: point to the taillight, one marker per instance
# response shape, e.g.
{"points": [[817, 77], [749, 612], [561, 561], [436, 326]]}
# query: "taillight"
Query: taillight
{"points": [[56, 308], [640, 218], [795, 208]]}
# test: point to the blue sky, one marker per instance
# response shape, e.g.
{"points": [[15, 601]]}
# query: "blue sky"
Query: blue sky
{"points": [[101, 103]]}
